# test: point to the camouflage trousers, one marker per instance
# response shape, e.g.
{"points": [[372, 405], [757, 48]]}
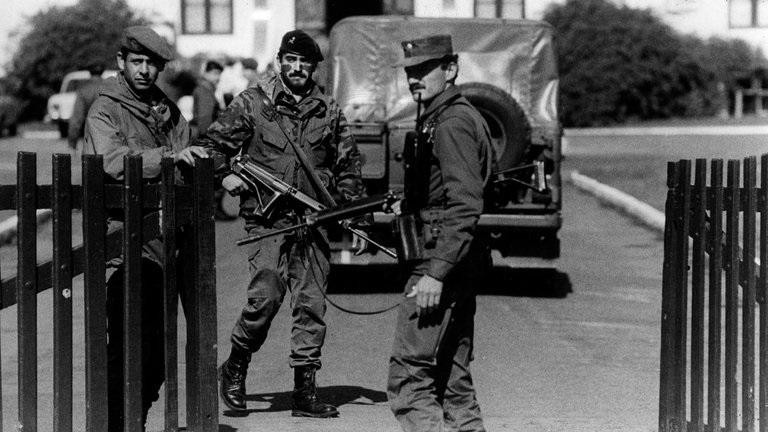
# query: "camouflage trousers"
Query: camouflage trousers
{"points": [[297, 262], [430, 384]]}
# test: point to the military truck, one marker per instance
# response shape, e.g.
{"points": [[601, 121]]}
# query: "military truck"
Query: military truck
{"points": [[507, 70]]}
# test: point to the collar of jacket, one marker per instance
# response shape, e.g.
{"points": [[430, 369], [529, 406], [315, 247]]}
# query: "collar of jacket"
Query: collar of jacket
{"points": [[156, 111], [314, 103], [443, 98]]}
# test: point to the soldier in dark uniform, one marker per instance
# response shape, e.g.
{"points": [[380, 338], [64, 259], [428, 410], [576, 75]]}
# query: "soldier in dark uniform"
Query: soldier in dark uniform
{"points": [[271, 122], [430, 386]]}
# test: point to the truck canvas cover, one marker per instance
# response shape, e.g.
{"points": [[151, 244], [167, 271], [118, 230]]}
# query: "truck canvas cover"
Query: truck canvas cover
{"points": [[515, 55]]}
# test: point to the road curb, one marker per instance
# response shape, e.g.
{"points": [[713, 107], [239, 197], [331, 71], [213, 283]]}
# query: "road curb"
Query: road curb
{"points": [[638, 210], [9, 227]]}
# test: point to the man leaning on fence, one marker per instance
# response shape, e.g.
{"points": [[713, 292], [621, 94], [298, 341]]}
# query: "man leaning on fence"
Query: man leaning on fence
{"points": [[132, 116], [298, 134]]}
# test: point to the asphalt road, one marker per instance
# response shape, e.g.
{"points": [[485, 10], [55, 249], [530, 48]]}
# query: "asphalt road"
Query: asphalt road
{"points": [[571, 349]]}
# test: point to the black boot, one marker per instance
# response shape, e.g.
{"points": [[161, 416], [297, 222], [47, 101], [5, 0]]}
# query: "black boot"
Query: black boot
{"points": [[232, 376], [305, 402]]}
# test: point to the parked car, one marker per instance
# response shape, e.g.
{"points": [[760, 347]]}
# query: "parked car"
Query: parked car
{"points": [[507, 70], [61, 104]]}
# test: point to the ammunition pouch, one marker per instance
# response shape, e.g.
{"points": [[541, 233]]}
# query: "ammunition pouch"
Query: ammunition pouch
{"points": [[417, 234]]}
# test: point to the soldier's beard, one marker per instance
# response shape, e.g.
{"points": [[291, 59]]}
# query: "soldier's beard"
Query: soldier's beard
{"points": [[295, 83]]}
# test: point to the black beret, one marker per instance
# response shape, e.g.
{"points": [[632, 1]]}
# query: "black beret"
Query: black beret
{"points": [[298, 42], [144, 40]]}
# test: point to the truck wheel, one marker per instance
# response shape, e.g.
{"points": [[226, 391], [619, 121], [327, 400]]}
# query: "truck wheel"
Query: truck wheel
{"points": [[509, 127]]}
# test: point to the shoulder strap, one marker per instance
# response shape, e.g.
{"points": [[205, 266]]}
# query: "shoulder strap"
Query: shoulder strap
{"points": [[316, 183]]}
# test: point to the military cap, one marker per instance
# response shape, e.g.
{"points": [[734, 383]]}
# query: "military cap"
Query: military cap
{"points": [[144, 40], [298, 42], [429, 48]]}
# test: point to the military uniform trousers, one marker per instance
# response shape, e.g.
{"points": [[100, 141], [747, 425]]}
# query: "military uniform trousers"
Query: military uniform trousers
{"points": [[430, 385], [153, 328], [298, 262]]}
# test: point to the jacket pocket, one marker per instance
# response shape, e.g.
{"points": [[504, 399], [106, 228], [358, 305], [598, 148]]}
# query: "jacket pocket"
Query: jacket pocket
{"points": [[272, 136]]}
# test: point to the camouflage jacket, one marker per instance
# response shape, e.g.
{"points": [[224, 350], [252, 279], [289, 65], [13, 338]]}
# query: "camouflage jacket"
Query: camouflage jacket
{"points": [[459, 170], [315, 123]]}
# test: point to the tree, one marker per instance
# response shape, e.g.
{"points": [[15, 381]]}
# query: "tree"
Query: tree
{"points": [[63, 39], [618, 63]]}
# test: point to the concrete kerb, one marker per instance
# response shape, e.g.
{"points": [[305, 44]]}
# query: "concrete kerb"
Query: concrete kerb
{"points": [[638, 210], [8, 227]]}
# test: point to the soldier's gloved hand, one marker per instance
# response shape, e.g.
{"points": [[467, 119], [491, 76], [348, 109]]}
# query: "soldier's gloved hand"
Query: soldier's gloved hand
{"points": [[234, 184], [188, 155], [427, 292]]}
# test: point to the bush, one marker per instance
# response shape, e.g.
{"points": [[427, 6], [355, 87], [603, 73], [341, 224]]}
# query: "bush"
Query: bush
{"points": [[63, 39], [618, 63]]}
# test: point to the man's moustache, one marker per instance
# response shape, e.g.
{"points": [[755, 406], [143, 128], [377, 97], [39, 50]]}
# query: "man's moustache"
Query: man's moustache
{"points": [[414, 87]]}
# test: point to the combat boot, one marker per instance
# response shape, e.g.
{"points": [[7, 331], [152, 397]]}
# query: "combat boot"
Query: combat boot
{"points": [[305, 401], [232, 376]]}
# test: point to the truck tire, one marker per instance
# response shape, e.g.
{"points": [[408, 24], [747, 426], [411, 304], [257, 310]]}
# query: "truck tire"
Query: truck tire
{"points": [[509, 127]]}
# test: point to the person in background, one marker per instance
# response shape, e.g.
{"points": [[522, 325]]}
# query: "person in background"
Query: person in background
{"points": [[205, 106], [251, 71], [232, 82], [430, 386], [131, 116], [83, 100]]}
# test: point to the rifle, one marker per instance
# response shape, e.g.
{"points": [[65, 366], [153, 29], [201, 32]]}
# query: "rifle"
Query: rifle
{"points": [[269, 190]]}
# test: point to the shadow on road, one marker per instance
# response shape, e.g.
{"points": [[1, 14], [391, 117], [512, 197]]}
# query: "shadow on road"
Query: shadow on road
{"points": [[504, 281], [334, 395]]}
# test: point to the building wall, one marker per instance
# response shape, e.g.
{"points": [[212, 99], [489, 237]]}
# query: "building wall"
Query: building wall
{"points": [[444, 8], [256, 32]]}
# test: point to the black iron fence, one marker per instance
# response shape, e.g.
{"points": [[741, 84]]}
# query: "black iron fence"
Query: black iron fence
{"points": [[149, 211], [714, 298]]}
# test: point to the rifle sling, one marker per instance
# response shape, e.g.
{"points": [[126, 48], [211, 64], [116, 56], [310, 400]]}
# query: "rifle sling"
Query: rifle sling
{"points": [[316, 183]]}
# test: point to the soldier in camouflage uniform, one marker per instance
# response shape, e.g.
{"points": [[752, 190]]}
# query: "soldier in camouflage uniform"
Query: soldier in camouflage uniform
{"points": [[430, 386], [259, 122]]}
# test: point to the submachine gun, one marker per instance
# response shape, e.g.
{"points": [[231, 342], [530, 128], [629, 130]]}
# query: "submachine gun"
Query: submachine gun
{"points": [[269, 190]]}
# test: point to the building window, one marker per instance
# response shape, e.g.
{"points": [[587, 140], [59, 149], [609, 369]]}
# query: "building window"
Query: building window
{"points": [[747, 13], [500, 8], [206, 16]]}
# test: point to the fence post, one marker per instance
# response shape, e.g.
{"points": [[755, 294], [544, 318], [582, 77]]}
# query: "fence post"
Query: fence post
{"points": [[132, 295], [667, 404], [715, 293], [170, 294], [761, 294], [62, 293], [732, 297], [26, 289], [697, 296], [95, 299], [202, 393], [748, 298]]}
